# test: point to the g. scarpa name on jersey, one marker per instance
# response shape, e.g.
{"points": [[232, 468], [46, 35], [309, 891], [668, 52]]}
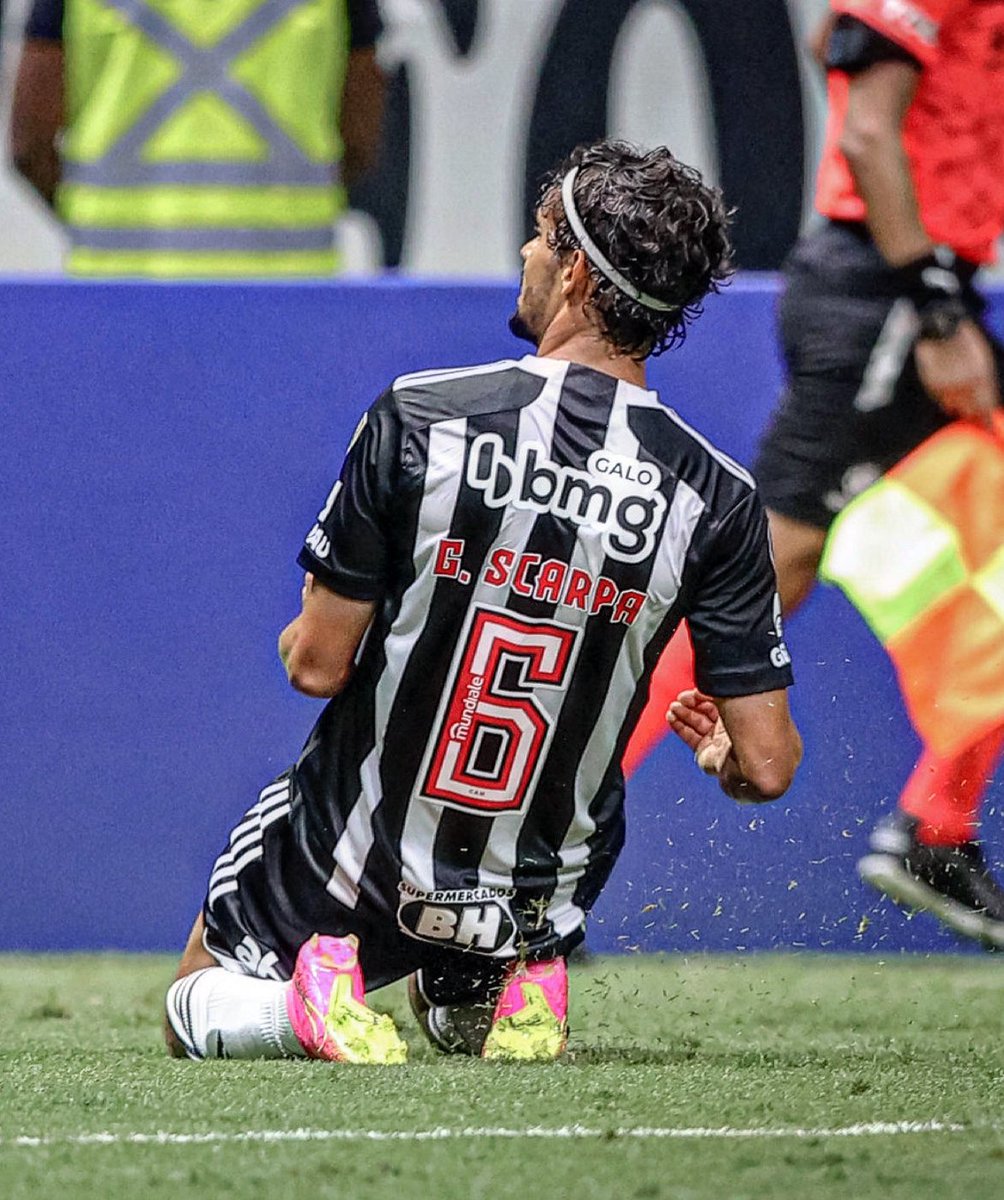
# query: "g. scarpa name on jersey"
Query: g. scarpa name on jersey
{"points": [[617, 497], [552, 581]]}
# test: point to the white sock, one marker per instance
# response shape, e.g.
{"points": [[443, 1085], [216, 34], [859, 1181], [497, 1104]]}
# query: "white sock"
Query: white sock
{"points": [[220, 1014]]}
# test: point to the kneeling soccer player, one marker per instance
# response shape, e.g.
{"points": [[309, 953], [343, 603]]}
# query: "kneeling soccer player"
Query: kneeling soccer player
{"points": [[489, 586]]}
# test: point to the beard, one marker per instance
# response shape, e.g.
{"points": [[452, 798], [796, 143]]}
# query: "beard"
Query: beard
{"points": [[518, 327]]}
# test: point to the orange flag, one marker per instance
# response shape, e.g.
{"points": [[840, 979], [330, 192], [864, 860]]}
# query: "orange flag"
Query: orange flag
{"points": [[921, 555]]}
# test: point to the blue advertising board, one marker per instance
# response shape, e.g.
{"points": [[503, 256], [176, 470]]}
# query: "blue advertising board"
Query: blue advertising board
{"points": [[165, 448]]}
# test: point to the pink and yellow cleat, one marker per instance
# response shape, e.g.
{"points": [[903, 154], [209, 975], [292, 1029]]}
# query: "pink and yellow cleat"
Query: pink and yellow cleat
{"points": [[530, 1023], [327, 1007]]}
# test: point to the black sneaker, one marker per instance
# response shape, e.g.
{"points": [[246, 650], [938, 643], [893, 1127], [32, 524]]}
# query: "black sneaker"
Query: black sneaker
{"points": [[453, 1029], [952, 882]]}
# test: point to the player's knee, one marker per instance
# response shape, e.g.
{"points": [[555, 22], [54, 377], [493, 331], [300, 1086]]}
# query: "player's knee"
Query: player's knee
{"points": [[174, 1047], [194, 958]]}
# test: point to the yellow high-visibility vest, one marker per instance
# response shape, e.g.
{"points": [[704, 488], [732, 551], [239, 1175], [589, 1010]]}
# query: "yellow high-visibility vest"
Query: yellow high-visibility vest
{"points": [[202, 136], [921, 555]]}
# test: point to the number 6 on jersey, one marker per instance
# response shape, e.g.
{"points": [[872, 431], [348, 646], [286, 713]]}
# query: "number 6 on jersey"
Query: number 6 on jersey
{"points": [[494, 731]]}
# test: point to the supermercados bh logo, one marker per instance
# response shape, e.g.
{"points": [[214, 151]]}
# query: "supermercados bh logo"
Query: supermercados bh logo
{"points": [[616, 495], [471, 918]]}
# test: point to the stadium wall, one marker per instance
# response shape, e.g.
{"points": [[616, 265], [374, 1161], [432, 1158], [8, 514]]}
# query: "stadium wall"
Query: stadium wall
{"points": [[484, 95], [164, 449]]}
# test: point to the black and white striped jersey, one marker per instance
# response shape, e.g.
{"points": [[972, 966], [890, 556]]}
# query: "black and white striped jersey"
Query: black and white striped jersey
{"points": [[532, 532]]}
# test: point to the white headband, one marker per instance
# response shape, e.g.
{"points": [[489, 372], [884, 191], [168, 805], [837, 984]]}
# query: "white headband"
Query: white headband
{"points": [[596, 256]]}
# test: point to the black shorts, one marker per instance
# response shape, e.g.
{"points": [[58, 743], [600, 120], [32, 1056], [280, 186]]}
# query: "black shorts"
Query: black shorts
{"points": [[854, 405], [265, 899]]}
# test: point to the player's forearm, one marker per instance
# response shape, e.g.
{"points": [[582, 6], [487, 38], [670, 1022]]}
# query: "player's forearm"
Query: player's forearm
{"points": [[871, 140], [881, 171], [765, 746], [307, 670], [759, 778]]}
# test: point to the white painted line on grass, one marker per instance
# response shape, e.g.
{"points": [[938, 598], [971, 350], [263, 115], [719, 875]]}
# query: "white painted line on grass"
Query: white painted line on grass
{"points": [[442, 1134]]}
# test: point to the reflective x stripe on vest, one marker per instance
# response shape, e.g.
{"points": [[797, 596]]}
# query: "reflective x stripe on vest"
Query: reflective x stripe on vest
{"points": [[921, 555], [202, 136]]}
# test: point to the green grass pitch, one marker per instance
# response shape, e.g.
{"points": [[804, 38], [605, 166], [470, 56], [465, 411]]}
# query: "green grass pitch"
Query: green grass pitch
{"points": [[690, 1078]]}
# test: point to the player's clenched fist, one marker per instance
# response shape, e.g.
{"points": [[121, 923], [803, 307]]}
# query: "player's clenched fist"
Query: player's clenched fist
{"points": [[755, 773]]}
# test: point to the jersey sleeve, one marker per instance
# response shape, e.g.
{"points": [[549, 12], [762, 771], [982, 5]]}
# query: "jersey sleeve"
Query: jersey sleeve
{"points": [[348, 547], [914, 25], [735, 622], [45, 21], [853, 47]]}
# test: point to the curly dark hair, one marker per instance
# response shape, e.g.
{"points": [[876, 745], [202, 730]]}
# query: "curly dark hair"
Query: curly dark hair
{"points": [[658, 224]]}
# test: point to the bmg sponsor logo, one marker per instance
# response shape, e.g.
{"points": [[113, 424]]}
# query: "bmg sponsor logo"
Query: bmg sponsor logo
{"points": [[617, 496]]}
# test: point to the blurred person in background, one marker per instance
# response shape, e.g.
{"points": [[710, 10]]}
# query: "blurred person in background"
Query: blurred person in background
{"points": [[188, 139], [884, 344], [489, 585]]}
